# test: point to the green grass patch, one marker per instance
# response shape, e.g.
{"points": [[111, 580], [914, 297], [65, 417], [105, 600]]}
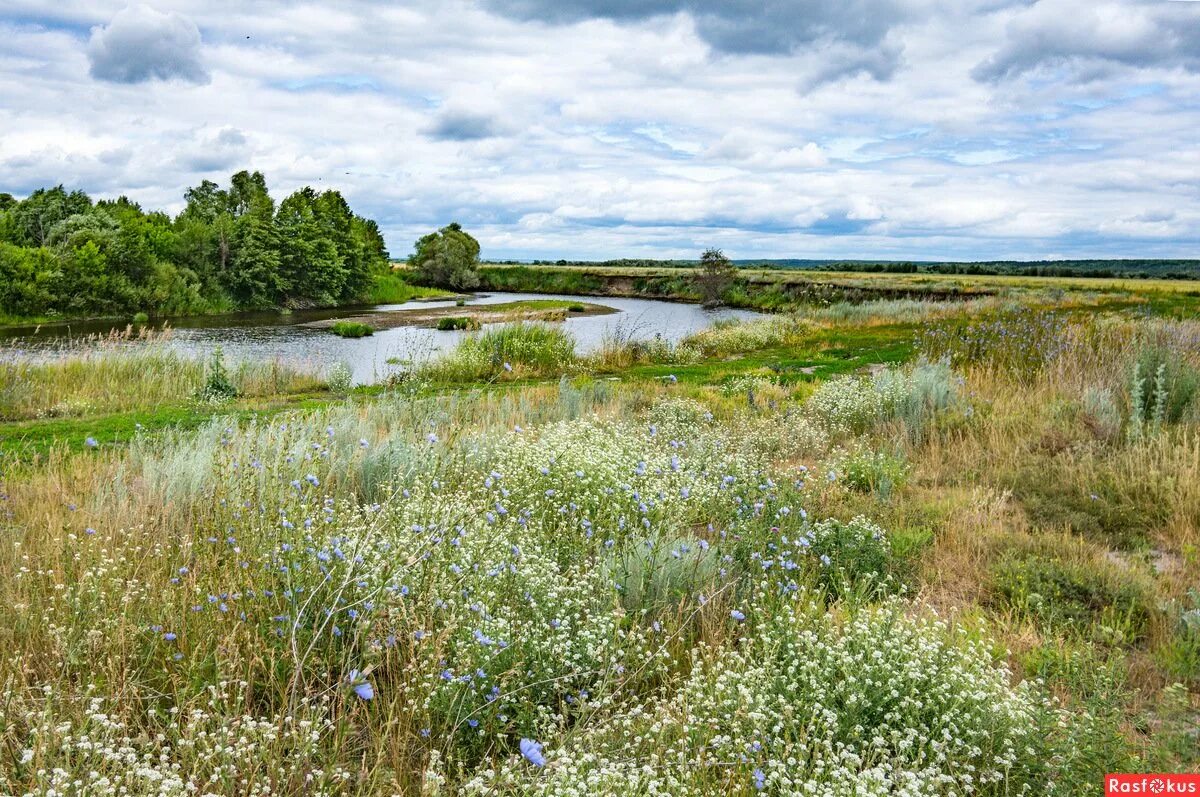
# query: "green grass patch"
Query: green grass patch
{"points": [[351, 329], [392, 288], [457, 322]]}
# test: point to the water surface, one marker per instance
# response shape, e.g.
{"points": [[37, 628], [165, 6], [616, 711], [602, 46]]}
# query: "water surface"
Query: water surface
{"points": [[271, 336]]}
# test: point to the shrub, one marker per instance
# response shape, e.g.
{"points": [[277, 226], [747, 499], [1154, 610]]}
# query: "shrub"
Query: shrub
{"points": [[457, 322], [1180, 655], [528, 348], [351, 329], [850, 559], [846, 405], [879, 704], [852, 405], [655, 575], [746, 385], [141, 318], [217, 385], [1101, 412], [876, 472], [340, 378], [1078, 596], [576, 308], [714, 277], [1162, 390]]}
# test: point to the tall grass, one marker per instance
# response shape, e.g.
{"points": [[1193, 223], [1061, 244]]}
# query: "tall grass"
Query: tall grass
{"points": [[611, 588], [116, 379], [507, 351], [391, 287]]}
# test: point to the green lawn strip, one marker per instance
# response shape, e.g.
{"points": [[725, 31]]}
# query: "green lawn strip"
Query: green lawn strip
{"points": [[25, 440], [825, 354], [820, 357]]}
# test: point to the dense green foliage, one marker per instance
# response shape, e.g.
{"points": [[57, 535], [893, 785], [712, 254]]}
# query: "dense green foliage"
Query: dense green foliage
{"points": [[351, 329], [1128, 268], [61, 255], [448, 258]]}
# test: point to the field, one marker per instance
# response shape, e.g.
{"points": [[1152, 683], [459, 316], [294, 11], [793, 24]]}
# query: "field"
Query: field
{"points": [[910, 534]]}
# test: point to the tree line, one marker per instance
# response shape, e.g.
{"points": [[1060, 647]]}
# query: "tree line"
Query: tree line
{"points": [[63, 255]]}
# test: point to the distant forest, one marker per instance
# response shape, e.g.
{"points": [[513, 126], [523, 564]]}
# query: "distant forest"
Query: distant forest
{"points": [[1124, 268], [63, 255]]}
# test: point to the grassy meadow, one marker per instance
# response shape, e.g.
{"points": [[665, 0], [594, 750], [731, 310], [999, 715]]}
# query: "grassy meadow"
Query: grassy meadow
{"points": [[904, 546]]}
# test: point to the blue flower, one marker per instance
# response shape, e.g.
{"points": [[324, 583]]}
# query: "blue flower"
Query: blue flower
{"points": [[736, 615], [362, 687], [760, 779], [533, 752], [90, 442]]}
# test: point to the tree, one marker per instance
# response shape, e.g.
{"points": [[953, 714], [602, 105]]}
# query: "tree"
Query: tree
{"points": [[715, 277], [448, 258], [312, 265], [32, 219], [229, 248], [254, 277], [25, 275]]}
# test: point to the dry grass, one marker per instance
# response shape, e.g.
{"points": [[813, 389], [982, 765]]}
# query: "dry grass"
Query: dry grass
{"points": [[112, 376]]}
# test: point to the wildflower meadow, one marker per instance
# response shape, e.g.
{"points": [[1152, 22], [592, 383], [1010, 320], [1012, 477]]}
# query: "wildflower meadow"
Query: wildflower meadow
{"points": [[970, 570]]}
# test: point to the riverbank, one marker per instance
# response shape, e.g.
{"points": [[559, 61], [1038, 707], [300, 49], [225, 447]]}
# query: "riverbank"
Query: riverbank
{"points": [[472, 315], [390, 288], [756, 290], [775, 290]]}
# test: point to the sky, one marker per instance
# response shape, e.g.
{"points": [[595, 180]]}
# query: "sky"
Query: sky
{"points": [[595, 129]]}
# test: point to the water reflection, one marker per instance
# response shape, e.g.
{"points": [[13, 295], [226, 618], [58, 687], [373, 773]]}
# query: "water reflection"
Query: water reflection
{"points": [[271, 336]]}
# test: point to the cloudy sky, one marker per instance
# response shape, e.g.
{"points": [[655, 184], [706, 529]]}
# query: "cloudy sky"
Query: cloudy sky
{"points": [[923, 129]]}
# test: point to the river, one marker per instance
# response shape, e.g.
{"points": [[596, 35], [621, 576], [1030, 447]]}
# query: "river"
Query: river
{"points": [[272, 336]]}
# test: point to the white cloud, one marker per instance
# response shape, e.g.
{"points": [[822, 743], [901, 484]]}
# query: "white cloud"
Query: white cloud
{"points": [[141, 44], [625, 135]]}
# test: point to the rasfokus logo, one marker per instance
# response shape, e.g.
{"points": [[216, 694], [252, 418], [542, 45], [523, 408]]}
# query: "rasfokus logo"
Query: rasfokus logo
{"points": [[1158, 783]]}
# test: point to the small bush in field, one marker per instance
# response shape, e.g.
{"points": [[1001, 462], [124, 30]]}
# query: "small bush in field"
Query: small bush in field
{"points": [[1181, 653], [1076, 596], [1162, 390], [853, 405], [654, 575], [217, 384], [1101, 412], [877, 472], [851, 558], [340, 379]]}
